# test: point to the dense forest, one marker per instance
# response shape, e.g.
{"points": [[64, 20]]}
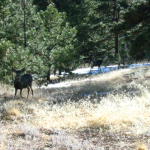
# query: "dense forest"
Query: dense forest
{"points": [[45, 36]]}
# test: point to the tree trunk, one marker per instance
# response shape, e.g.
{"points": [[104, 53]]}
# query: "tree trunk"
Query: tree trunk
{"points": [[116, 17], [116, 44], [48, 75], [24, 23], [59, 71]]}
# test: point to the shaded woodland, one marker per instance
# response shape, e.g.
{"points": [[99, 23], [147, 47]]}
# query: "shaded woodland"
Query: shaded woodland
{"points": [[53, 36]]}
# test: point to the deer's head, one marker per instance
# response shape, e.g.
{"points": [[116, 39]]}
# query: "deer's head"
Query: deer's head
{"points": [[18, 72]]}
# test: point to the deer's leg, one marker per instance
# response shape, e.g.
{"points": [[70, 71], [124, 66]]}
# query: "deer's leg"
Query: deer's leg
{"points": [[15, 91], [20, 92], [28, 91], [31, 90]]}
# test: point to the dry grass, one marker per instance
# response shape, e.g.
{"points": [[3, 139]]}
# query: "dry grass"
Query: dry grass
{"points": [[118, 112], [6, 90], [142, 147], [11, 114], [118, 120]]}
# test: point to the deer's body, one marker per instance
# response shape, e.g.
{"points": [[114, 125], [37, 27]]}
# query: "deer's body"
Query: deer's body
{"points": [[22, 81], [96, 63]]}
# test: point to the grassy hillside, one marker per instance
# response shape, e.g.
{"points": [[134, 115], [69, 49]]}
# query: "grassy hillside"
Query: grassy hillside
{"points": [[108, 111]]}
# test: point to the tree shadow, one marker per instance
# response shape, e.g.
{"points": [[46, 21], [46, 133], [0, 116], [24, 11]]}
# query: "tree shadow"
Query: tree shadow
{"points": [[7, 98]]}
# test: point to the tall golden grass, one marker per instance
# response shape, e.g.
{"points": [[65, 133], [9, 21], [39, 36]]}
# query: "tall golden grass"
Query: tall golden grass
{"points": [[126, 109]]}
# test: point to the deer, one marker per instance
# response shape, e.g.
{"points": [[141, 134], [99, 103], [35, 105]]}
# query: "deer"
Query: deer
{"points": [[22, 81], [96, 63]]}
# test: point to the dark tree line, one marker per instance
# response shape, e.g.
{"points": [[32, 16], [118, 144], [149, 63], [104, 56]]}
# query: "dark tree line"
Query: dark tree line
{"points": [[48, 36]]}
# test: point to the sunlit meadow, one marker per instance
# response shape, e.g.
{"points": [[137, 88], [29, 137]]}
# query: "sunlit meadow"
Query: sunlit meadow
{"points": [[107, 111]]}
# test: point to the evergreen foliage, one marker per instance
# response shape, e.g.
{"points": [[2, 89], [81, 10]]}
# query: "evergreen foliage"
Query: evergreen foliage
{"points": [[46, 36]]}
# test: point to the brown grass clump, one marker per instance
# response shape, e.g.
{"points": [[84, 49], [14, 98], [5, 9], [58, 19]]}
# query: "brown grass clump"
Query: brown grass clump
{"points": [[11, 114], [19, 133], [142, 147], [14, 112]]}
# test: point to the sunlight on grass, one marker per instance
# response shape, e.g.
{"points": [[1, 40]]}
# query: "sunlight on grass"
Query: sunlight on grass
{"points": [[122, 111], [116, 113], [6, 89], [142, 147]]}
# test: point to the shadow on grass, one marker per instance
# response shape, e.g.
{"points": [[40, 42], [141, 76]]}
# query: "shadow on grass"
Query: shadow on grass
{"points": [[90, 88], [108, 139], [6, 98]]}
